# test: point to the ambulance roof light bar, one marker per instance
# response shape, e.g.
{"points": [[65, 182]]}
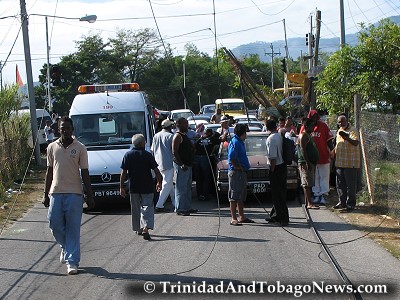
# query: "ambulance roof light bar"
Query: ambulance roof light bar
{"points": [[97, 88]]}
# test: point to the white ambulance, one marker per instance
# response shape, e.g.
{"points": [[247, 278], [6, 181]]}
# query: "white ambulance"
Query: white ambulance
{"points": [[105, 118]]}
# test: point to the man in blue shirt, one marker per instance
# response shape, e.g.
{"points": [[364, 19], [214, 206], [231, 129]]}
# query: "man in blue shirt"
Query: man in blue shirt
{"points": [[237, 176]]}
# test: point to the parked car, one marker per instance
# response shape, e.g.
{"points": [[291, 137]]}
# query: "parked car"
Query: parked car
{"points": [[180, 113], [193, 123], [200, 117], [258, 175], [208, 110], [257, 124], [246, 118], [214, 127]]}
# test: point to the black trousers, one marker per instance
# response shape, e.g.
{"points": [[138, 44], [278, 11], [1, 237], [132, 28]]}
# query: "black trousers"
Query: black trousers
{"points": [[278, 178]]}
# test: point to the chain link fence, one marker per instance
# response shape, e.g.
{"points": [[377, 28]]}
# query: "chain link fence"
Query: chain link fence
{"points": [[380, 147]]}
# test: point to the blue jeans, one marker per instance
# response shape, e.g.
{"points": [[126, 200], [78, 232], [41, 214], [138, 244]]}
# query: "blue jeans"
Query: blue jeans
{"points": [[65, 215], [142, 211], [183, 188]]}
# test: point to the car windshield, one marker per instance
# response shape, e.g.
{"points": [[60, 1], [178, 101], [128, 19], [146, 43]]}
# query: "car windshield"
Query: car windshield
{"points": [[255, 145], [176, 115], [208, 109], [233, 106], [108, 129]]}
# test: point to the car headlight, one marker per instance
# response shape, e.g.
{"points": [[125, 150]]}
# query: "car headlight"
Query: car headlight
{"points": [[223, 175]]}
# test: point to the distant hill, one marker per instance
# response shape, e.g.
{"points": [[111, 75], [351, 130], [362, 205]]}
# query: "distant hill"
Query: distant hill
{"points": [[296, 46]]}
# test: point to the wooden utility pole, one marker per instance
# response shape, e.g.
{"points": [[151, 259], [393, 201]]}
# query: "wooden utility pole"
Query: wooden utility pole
{"points": [[317, 36], [272, 54], [342, 29], [286, 48]]}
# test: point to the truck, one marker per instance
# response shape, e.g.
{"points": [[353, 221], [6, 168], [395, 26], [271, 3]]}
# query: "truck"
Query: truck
{"points": [[105, 118], [231, 106]]}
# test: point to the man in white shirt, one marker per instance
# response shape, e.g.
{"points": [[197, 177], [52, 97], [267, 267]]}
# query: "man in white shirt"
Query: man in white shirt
{"points": [[278, 175], [48, 132], [162, 151]]}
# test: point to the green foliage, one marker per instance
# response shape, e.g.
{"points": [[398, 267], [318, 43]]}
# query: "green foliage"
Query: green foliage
{"points": [[371, 69], [14, 135]]}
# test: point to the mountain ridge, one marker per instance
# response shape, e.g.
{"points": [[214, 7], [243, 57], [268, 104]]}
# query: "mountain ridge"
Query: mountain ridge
{"points": [[297, 45]]}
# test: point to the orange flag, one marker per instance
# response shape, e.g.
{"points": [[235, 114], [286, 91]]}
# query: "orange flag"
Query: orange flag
{"points": [[18, 79]]}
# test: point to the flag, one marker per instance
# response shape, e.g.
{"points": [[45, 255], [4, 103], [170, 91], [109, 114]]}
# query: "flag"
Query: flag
{"points": [[18, 79]]}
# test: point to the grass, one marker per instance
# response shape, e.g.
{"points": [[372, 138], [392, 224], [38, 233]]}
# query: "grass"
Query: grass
{"points": [[15, 204]]}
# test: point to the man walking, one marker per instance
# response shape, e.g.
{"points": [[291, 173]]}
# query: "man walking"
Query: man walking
{"points": [[183, 153], [162, 151], [138, 163], [48, 132], [237, 176], [278, 175], [63, 192], [347, 161]]}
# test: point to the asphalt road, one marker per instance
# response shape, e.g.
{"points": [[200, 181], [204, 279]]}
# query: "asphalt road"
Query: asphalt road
{"points": [[117, 264]]}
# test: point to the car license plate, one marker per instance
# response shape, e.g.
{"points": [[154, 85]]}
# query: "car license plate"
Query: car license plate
{"points": [[106, 193], [258, 187]]}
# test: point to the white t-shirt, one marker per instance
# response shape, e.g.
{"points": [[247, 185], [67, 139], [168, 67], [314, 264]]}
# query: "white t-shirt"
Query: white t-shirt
{"points": [[274, 147], [48, 133]]}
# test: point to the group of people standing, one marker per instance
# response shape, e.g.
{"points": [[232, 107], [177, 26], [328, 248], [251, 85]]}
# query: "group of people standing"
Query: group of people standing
{"points": [[172, 161]]}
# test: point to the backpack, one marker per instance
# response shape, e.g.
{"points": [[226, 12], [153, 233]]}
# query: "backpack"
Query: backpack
{"points": [[288, 150]]}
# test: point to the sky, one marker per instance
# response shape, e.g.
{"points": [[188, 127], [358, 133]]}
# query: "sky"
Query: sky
{"points": [[235, 22]]}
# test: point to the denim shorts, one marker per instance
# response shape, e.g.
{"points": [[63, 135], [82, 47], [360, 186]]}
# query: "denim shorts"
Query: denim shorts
{"points": [[237, 186]]}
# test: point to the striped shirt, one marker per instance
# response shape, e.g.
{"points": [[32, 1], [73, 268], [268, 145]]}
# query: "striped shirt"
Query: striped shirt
{"points": [[346, 154]]}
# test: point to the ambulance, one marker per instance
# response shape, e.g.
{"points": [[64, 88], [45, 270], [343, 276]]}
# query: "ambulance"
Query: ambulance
{"points": [[105, 118]]}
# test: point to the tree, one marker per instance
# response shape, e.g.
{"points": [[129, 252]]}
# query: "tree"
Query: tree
{"points": [[371, 69]]}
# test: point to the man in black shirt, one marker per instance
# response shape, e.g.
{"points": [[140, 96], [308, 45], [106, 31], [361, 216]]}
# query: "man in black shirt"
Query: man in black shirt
{"points": [[204, 162], [138, 163], [183, 152]]}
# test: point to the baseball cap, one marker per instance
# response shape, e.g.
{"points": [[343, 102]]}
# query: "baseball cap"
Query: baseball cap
{"points": [[166, 123], [224, 119]]}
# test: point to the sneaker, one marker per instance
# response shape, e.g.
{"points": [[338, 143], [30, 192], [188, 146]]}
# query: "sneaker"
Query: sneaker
{"points": [[139, 232], [183, 213], [339, 206], [62, 255], [158, 210], [193, 211], [72, 270], [146, 236], [322, 200]]}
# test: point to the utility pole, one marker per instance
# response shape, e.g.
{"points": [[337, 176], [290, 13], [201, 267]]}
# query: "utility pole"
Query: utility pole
{"points": [[29, 78], [272, 54], [342, 29], [317, 36], [310, 42], [48, 67], [286, 47]]}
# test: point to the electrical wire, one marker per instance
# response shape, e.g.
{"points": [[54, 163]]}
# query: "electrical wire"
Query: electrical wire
{"points": [[12, 47], [290, 4]]}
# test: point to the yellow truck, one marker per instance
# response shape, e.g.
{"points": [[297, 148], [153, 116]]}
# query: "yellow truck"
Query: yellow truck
{"points": [[231, 106]]}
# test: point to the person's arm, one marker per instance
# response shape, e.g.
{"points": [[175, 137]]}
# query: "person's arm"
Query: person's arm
{"points": [[352, 138], [304, 140], [86, 182], [176, 142], [47, 184], [159, 179], [121, 183]]}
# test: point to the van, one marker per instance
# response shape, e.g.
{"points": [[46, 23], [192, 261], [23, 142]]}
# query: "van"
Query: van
{"points": [[42, 116], [105, 118], [231, 106]]}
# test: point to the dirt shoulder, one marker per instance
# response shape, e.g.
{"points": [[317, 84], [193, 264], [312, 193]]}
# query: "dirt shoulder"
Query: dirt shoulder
{"points": [[369, 219]]}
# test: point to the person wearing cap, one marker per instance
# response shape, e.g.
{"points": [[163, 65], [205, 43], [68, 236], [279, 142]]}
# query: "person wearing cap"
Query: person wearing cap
{"points": [[162, 151], [323, 139], [224, 129]]}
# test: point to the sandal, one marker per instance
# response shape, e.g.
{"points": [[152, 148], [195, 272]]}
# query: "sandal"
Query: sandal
{"points": [[235, 223]]}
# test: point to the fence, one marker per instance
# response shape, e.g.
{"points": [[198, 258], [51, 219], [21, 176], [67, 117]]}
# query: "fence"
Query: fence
{"points": [[380, 137]]}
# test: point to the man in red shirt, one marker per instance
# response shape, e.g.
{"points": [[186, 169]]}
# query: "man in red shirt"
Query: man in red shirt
{"points": [[323, 139]]}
